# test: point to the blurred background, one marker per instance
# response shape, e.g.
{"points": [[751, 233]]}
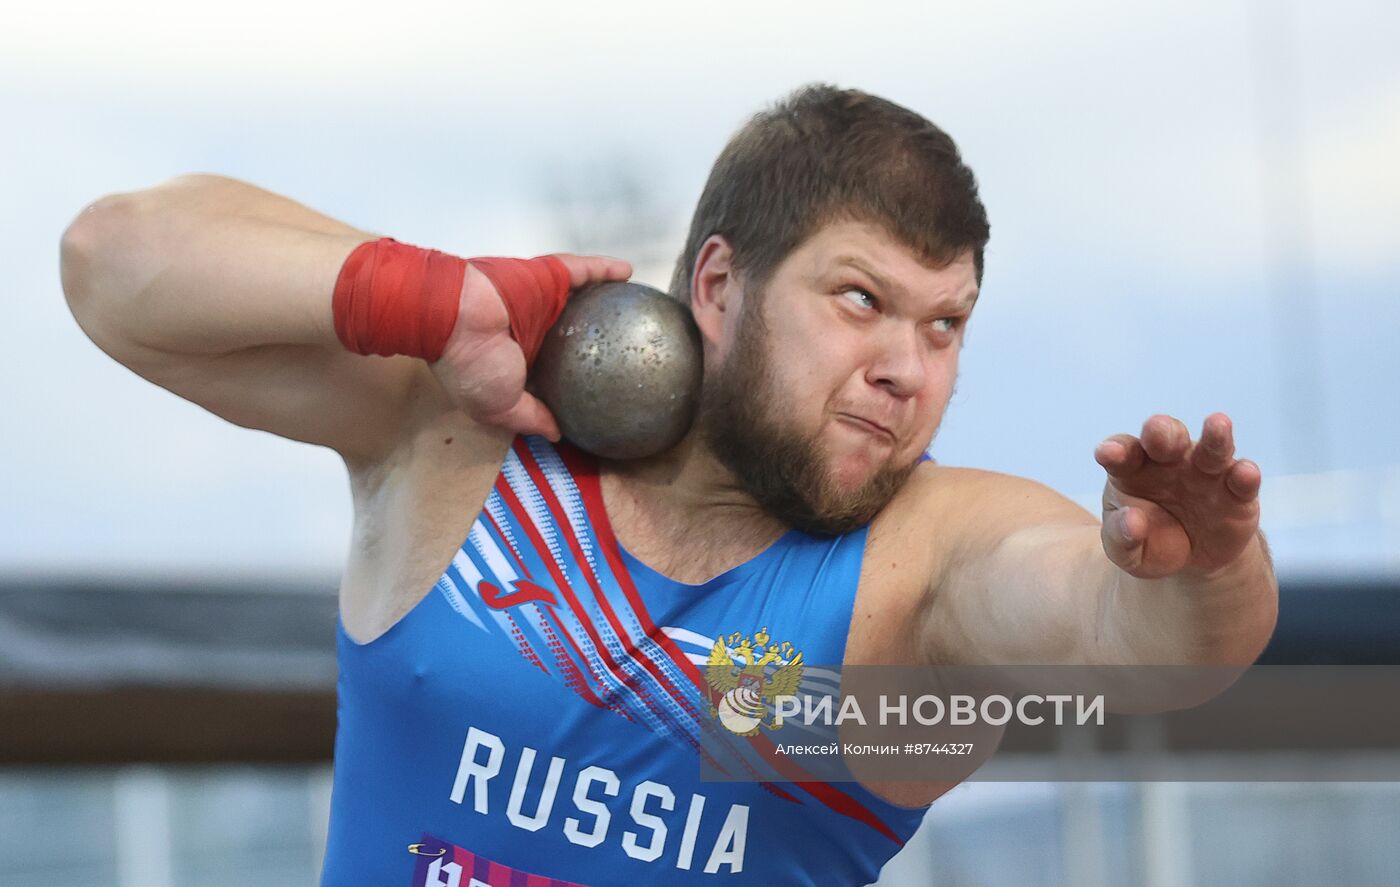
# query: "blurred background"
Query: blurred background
{"points": [[1195, 206]]}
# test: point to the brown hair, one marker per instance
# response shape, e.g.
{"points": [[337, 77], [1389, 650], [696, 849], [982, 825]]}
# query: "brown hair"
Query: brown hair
{"points": [[825, 154]]}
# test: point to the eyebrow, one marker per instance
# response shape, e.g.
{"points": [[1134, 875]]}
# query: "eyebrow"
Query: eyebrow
{"points": [[888, 285]]}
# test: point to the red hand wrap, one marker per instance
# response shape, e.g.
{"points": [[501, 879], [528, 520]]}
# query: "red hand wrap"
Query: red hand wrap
{"points": [[392, 298], [534, 291]]}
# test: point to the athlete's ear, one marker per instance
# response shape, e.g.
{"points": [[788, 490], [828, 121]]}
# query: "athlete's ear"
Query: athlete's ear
{"points": [[714, 289]]}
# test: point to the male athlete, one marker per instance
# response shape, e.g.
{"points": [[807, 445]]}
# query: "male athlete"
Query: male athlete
{"points": [[527, 633]]}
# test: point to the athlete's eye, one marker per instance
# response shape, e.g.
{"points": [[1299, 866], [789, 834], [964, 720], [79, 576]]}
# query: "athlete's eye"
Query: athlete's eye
{"points": [[944, 330], [859, 297]]}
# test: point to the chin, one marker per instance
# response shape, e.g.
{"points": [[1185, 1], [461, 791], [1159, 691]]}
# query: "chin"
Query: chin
{"points": [[850, 469], [846, 445]]}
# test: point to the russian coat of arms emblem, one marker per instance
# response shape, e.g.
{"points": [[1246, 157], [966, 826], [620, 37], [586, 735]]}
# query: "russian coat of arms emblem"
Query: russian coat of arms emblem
{"points": [[748, 675]]}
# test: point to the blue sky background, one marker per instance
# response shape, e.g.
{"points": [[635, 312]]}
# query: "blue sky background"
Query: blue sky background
{"points": [[1165, 183]]}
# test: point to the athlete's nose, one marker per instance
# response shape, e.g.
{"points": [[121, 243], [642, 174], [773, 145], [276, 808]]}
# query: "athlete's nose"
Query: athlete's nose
{"points": [[898, 365]]}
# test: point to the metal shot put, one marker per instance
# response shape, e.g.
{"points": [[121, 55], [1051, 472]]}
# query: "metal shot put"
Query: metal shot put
{"points": [[590, 519], [621, 369]]}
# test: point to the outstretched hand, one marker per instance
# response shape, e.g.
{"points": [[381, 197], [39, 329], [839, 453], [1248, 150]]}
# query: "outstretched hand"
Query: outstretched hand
{"points": [[1171, 504]]}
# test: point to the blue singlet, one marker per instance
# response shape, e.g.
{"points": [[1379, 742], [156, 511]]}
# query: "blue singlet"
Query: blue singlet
{"points": [[539, 718]]}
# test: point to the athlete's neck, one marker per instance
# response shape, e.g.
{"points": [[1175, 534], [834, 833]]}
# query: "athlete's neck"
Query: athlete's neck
{"points": [[681, 498]]}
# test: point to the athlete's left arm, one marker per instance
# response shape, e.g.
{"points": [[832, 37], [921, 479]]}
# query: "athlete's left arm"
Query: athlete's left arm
{"points": [[1176, 573]]}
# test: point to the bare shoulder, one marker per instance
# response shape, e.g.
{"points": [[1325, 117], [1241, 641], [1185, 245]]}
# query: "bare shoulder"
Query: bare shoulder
{"points": [[941, 524], [910, 542], [955, 513], [972, 494], [977, 495]]}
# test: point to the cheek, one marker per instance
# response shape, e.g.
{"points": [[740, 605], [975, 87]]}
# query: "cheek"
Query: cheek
{"points": [[933, 400], [807, 374], [797, 395]]}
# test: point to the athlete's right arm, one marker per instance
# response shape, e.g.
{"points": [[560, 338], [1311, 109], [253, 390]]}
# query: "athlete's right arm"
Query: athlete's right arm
{"points": [[220, 292]]}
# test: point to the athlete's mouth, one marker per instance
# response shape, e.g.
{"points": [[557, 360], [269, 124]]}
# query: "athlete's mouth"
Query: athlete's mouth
{"points": [[867, 425]]}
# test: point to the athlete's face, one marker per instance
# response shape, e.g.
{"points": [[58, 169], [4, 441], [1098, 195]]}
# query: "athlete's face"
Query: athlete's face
{"points": [[828, 385]]}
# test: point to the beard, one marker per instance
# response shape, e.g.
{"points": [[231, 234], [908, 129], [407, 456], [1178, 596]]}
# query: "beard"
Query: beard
{"points": [[744, 423]]}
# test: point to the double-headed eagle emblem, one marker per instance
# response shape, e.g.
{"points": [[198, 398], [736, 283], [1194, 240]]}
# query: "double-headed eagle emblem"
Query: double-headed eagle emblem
{"points": [[747, 675]]}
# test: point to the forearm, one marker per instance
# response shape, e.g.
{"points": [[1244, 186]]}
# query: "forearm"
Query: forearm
{"points": [[1221, 618], [203, 265]]}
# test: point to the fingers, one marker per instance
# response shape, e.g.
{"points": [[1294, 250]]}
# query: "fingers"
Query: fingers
{"points": [[1165, 438], [586, 270], [1215, 451], [1144, 540], [1120, 455], [1244, 479], [1123, 533], [1127, 526], [528, 416]]}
